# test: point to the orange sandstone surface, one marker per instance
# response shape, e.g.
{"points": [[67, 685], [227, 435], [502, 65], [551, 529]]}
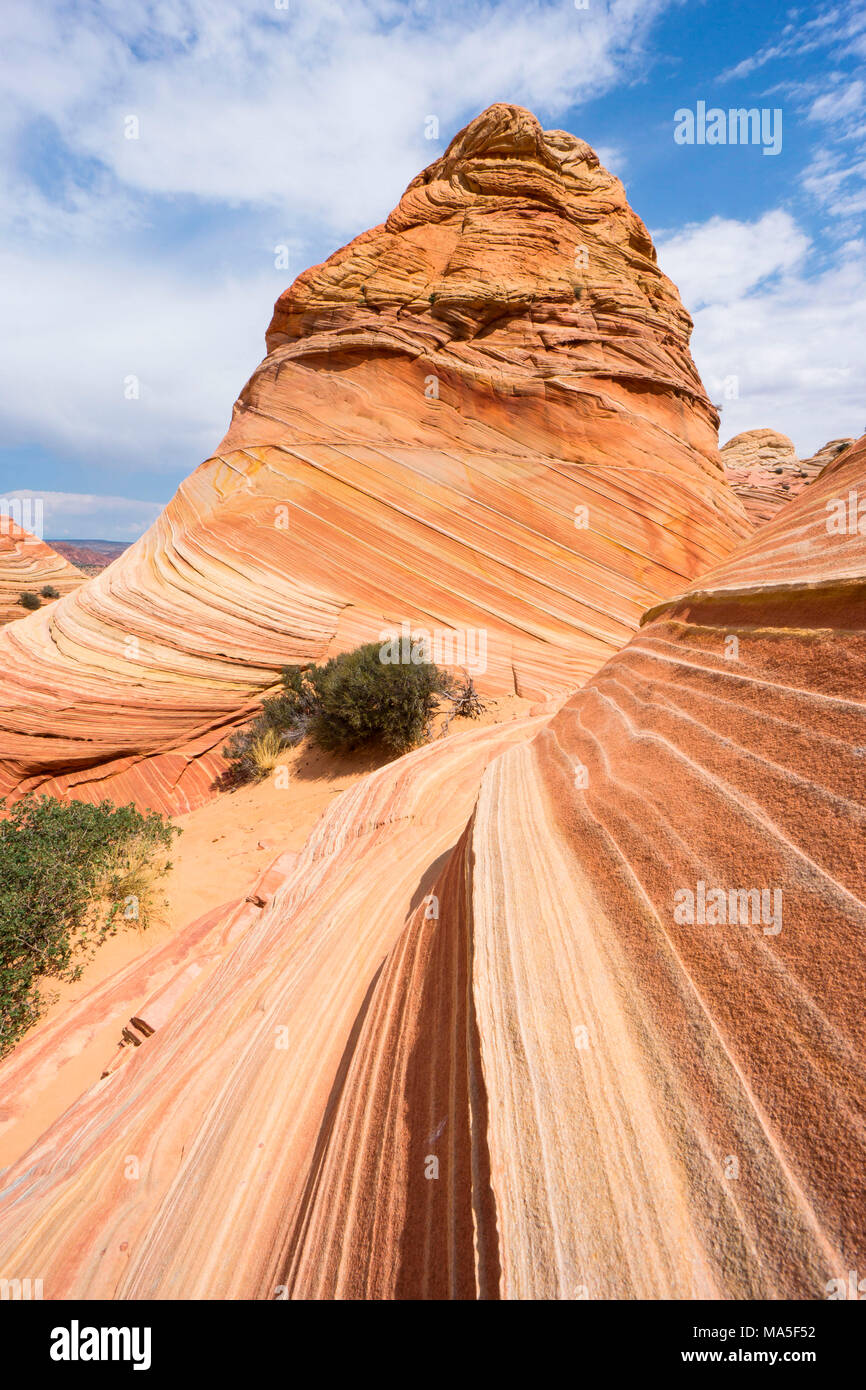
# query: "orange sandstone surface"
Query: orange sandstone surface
{"points": [[564, 1006], [225, 853], [764, 471], [585, 1023], [26, 565], [279, 984], [480, 418]]}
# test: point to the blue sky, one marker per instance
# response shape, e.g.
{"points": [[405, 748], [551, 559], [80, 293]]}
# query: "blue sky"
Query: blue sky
{"points": [[301, 125]]}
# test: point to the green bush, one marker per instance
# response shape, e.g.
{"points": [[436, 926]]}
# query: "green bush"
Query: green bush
{"points": [[355, 700], [49, 591], [283, 722], [69, 875], [363, 700], [30, 600]]}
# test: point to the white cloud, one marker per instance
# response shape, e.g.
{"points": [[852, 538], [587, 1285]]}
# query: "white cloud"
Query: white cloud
{"points": [[835, 177], [74, 334], [839, 186], [614, 159], [791, 337], [719, 261], [845, 99], [840, 29], [78, 515]]}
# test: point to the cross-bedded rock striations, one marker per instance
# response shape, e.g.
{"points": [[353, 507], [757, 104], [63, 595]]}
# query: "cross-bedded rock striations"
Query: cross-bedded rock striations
{"points": [[481, 416], [667, 920], [649, 969], [28, 565], [607, 1042], [227, 1108]]}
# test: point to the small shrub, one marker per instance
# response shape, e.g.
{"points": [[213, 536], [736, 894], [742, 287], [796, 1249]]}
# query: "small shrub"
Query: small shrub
{"points": [[465, 701], [355, 700], [265, 749], [30, 601], [49, 591], [69, 875], [363, 701], [284, 720]]}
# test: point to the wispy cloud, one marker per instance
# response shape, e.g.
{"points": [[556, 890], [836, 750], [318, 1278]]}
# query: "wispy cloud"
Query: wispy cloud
{"points": [[833, 98], [791, 343], [836, 176], [840, 29]]}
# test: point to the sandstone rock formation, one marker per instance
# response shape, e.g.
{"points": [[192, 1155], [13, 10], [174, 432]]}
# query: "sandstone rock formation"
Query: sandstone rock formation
{"points": [[280, 986], [682, 1112], [828, 453], [480, 417], [26, 566], [506, 1063], [764, 471], [651, 1107]]}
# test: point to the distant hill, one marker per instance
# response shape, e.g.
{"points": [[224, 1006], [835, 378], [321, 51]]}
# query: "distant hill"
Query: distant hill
{"points": [[90, 556]]}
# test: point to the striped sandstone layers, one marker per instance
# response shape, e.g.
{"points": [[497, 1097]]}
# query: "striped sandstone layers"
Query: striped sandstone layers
{"points": [[505, 1063], [764, 471], [26, 565], [481, 416], [226, 1107], [623, 1103], [676, 1109]]}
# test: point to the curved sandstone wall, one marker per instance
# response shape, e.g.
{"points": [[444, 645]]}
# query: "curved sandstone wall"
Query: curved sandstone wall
{"points": [[521, 1042], [480, 419]]}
